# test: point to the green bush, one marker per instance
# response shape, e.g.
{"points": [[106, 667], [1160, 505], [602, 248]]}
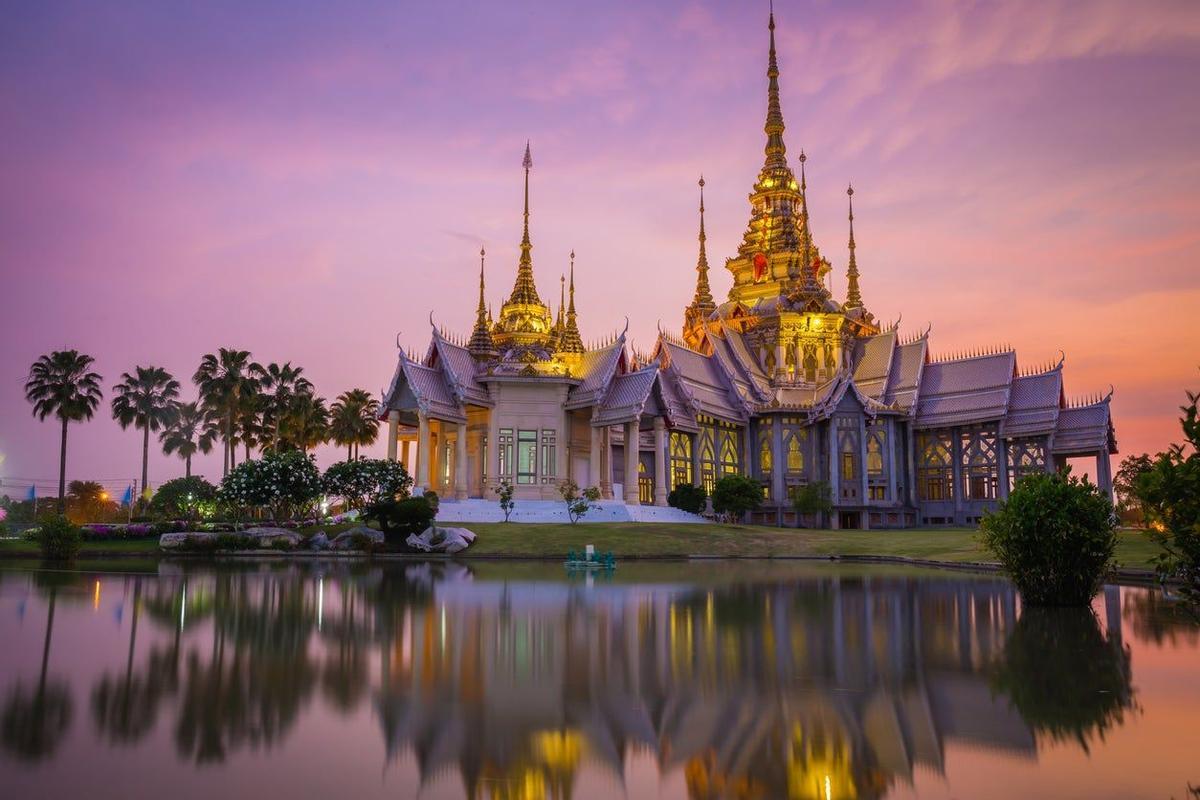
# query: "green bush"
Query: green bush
{"points": [[579, 501], [1055, 537], [184, 498], [734, 495], [362, 542], [286, 485], [688, 498], [433, 500], [365, 481], [813, 498], [59, 538], [398, 519]]}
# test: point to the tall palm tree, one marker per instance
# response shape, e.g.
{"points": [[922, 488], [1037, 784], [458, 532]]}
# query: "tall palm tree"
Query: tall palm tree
{"points": [[307, 422], [224, 379], [63, 384], [354, 420], [279, 383], [191, 431], [251, 428], [147, 400]]}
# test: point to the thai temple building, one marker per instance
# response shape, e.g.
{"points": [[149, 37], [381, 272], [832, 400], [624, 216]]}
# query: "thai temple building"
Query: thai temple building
{"points": [[781, 381]]}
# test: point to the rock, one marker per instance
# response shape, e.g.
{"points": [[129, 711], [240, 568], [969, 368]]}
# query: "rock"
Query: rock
{"points": [[345, 539], [440, 539], [271, 537], [179, 541], [319, 541]]}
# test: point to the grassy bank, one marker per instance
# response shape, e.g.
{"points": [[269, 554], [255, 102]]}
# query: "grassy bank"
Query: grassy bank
{"points": [[1134, 550]]}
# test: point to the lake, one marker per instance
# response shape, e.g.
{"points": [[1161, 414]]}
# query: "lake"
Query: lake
{"points": [[712, 679]]}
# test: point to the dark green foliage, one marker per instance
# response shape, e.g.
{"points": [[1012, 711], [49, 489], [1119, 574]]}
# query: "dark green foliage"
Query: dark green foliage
{"points": [[286, 485], [505, 493], [688, 498], [1125, 483], [366, 481], [184, 498], [1170, 493], [734, 495], [433, 500], [398, 519], [58, 538], [578, 501], [1063, 677], [1055, 537], [363, 542], [813, 498]]}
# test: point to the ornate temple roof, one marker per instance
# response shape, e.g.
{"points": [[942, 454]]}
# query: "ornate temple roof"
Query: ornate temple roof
{"points": [[703, 380], [965, 390], [626, 397], [873, 358], [595, 371], [460, 369], [1034, 404], [425, 387], [1085, 429]]}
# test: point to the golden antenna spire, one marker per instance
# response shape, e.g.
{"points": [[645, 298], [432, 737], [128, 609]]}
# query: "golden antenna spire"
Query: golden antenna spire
{"points": [[702, 304], [481, 344], [570, 341], [775, 149], [853, 296]]}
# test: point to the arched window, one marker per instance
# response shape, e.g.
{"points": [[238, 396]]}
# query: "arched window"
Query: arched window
{"points": [[795, 454], [764, 456], [729, 458]]}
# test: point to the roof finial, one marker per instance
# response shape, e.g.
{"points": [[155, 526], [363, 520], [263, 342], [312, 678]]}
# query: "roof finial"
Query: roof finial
{"points": [[702, 303], [524, 294], [570, 341], [853, 296], [775, 149], [481, 345]]}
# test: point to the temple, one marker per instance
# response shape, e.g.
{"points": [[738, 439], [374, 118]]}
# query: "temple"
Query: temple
{"points": [[781, 381]]}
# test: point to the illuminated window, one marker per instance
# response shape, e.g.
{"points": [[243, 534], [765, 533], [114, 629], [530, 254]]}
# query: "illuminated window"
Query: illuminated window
{"points": [[848, 466], [681, 459], [795, 452], [549, 455], [708, 460], [935, 466], [527, 442], [729, 457], [875, 455], [764, 455], [505, 452], [979, 463]]}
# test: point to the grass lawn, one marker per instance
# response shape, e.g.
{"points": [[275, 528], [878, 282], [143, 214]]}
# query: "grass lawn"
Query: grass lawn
{"points": [[1134, 549]]}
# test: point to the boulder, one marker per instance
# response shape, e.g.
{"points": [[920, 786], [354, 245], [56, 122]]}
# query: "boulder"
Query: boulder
{"points": [[345, 539], [318, 541], [271, 537], [179, 541], [438, 539]]}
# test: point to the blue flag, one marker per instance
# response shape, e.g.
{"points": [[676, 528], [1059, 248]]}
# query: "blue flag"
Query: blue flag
{"points": [[127, 498], [32, 495]]}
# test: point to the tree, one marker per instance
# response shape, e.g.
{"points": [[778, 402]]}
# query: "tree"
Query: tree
{"points": [[285, 484], [505, 492], [184, 498], [147, 400], [278, 384], [225, 383], [306, 424], [192, 430], [354, 420], [367, 481], [735, 495], [88, 500], [63, 384], [813, 498], [687, 497], [1054, 536], [1132, 468], [1170, 491], [578, 502]]}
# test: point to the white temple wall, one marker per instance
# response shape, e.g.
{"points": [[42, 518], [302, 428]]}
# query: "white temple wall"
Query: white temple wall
{"points": [[533, 414]]}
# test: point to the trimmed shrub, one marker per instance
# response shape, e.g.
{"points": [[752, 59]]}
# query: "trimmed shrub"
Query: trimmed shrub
{"points": [[1055, 537], [688, 498], [400, 518], [185, 498], [286, 485], [734, 495], [366, 481], [59, 539]]}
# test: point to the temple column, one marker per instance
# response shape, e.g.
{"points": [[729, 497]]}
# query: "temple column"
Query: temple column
{"points": [[778, 466], [422, 471], [864, 490], [696, 460], [1002, 465], [890, 463], [660, 461], [491, 464], [747, 451], [956, 466], [460, 462], [1104, 474], [606, 470], [910, 447], [404, 454], [393, 431], [433, 462], [835, 492], [594, 459], [631, 463]]}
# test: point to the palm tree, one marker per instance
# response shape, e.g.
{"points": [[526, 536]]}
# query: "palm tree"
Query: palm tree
{"points": [[279, 384], [307, 422], [354, 420], [191, 431], [225, 382], [146, 400], [63, 385]]}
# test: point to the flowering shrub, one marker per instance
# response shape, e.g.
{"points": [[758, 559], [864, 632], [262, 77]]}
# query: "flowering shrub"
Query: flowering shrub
{"points": [[95, 532], [185, 498], [367, 481], [285, 485]]}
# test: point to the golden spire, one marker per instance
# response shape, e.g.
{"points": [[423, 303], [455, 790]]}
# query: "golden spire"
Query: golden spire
{"points": [[524, 291], [570, 341], [703, 301], [810, 268], [775, 149], [481, 345], [853, 296]]}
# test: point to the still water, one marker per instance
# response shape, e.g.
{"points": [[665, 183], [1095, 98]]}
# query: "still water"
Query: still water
{"points": [[709, 680]]}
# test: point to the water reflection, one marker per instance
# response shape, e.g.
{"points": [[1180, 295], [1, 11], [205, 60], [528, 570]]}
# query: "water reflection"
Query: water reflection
{"points": [[746, 681]]}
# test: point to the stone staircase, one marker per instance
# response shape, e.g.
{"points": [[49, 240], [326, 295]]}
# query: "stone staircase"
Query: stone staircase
{"points": [[542, 511]]}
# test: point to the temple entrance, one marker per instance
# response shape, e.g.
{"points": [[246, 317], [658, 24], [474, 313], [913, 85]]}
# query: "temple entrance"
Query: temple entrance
{"points": [[645, 486]]}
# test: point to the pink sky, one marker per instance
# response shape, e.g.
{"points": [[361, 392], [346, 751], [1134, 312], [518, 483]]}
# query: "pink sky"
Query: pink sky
{"points": [[307, 180]]}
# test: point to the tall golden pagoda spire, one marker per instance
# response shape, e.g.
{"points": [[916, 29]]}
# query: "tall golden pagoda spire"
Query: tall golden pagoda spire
{"points": [[570, 341], [481, 345], [702, 307], [524, 318], [853, 295], [775, 150]]}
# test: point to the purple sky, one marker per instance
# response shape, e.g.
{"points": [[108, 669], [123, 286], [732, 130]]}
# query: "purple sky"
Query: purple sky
{"points": [[305, 180]]}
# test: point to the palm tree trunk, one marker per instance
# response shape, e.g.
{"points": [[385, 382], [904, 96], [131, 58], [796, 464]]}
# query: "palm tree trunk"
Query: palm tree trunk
{"points": [[145, 457], [46, 646], [247, 458], [62, 472], [349, 452], [187, 467]]}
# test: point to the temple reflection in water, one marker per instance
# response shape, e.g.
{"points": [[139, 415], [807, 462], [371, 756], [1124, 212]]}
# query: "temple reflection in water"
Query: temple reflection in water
{"points": [[807, 682]]}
